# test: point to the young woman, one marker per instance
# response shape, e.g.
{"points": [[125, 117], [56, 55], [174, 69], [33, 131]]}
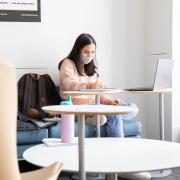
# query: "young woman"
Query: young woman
{"points": [[79, 71]]}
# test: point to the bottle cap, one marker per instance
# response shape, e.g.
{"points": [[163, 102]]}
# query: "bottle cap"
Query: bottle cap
{"points": [[69, 98], [68, 102]]}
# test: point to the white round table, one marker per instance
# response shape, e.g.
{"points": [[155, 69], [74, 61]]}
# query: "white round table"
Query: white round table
{"points": [[81, 111], [110, 155], [97, 93], [92, 91]]}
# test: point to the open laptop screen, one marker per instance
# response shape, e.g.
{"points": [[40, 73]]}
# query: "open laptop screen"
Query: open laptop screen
{"points": [[162, 78]]}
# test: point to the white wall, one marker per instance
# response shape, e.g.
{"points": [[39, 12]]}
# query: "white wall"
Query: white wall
{"points": [[134, 55], [158, 39], [176, 73], [127, 48], [46, 43], [118, 26]]}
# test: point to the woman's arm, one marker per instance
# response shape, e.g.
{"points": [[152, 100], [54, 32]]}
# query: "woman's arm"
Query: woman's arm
{"points": [[110, 101], [69, 79]]}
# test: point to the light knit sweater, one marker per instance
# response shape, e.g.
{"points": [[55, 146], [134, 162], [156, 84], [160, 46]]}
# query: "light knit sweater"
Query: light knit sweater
{"points": [[70, 79]]}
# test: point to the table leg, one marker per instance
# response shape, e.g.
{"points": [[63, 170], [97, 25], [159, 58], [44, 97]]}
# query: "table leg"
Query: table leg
{"points": [[98, 129], [98, 134], [161, 115], [81, 132], [111, 177], [162, 173]]}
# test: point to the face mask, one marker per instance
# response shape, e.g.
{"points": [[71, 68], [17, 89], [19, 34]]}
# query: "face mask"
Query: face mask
{"points": [[86, 60]]}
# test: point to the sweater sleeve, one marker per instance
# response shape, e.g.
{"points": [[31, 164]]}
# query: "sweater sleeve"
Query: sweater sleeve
{"points": [[69, 79], [105, 99]]}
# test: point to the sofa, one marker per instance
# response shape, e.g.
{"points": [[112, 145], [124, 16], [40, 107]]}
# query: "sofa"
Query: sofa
{"points": [[31, 136]]}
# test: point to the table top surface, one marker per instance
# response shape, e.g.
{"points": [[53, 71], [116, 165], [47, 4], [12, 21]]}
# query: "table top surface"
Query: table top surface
{"points": [[110, 155], [92, 91], [88, 109], [157, 91]]}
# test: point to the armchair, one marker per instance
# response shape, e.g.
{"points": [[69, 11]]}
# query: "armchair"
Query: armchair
{"points": [[8, 112]]}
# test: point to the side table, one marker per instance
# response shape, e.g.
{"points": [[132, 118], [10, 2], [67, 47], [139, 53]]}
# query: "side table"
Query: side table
{"points": [[81, 111], [97, 93], [161, 93]]}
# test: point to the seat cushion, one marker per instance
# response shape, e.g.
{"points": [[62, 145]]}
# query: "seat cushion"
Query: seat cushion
{"points": [[55, 131], [31, 136], [131, 128]]}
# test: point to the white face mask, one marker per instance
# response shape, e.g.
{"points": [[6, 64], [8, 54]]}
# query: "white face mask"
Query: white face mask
{"points": [[86, 60]]}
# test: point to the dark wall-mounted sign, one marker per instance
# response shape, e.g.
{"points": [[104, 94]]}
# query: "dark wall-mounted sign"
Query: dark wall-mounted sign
{"points": [[20, 10]]}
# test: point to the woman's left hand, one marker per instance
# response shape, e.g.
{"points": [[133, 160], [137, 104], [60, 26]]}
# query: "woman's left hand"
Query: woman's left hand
{"points": [[117, 102]]}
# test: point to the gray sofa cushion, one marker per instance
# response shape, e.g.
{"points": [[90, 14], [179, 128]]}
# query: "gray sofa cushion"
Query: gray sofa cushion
{"points": [[131, 128], [31, 137], [55, 131], [24, 126]]}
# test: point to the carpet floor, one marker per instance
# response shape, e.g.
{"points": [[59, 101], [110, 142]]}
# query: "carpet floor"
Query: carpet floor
{"points": [[25, 166]]}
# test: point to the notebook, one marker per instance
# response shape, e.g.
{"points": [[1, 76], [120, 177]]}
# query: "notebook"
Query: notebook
{"points": [[162, 78]]}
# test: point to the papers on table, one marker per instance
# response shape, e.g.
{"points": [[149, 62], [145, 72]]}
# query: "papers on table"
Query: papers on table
{"points": [[54, 142]]}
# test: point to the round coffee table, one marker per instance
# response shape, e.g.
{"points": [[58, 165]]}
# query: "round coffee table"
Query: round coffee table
{"points": [[110, 155]]}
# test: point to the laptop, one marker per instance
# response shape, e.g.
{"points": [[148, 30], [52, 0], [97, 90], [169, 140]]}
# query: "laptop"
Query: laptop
{"points": [[163, 76]]}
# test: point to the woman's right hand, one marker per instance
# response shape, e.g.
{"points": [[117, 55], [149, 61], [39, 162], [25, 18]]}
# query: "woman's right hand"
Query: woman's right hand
{"points": [[95, 85]]}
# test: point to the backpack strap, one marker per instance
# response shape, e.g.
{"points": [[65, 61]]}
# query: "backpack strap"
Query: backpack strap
{"points": [[21, 85], [42, 91], [54, 98], [27, 93], [42, 96]]}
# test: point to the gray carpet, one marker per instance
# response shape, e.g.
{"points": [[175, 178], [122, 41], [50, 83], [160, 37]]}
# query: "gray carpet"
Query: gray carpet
{"points": [[25, 166], [174, 176]]}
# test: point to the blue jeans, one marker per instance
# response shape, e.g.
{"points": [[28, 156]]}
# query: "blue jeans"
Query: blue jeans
{"points": [[114, 126]]}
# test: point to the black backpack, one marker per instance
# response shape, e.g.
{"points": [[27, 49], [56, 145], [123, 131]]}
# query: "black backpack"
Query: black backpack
{"points": [[35, 91]]}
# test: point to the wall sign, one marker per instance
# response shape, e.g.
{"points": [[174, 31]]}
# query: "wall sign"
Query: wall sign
{"points": [[20, 10]]}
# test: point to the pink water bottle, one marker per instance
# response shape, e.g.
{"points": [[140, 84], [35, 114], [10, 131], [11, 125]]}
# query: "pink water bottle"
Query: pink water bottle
{"points": [[67, 124]]}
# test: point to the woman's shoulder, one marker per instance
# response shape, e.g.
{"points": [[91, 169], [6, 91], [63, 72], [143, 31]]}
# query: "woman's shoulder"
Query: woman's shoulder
{"points": [[67, 63]]}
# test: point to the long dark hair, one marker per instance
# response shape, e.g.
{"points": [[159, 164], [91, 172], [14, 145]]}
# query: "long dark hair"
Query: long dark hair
{"points": [[81, 41]]}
